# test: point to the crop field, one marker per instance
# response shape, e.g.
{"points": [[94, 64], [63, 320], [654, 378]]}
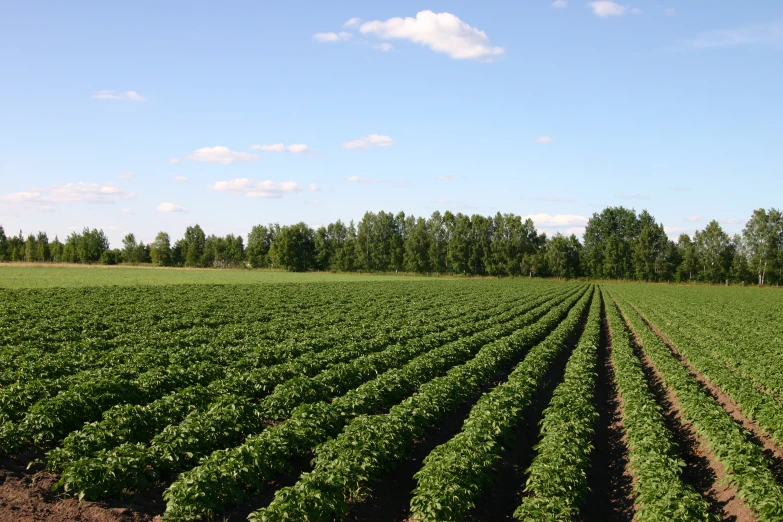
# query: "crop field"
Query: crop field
{"points": [[391, 400]]}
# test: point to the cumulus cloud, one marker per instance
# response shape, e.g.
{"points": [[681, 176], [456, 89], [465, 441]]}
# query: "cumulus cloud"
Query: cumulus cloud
{"points": [[670, 11], [126, 175], [544, 139], [297, 148], [170, 207], [383, 47], [557, 220], [181, 179], [692, 219], [759, 34], [560, 4], [174, 160], [313, 201], [353, 22], [332, 37], [730, 221], [112, 95], [366, 142], [674, 231], [252, 188], [633, 196], [44, 198], [441, 32], [221, 155], [607, 8]]}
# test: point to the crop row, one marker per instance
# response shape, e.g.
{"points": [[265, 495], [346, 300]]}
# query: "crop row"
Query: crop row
{"points": [[557, 478], [744, 462], [660, 493], [456, 473], [227, 477], [179, 446], [133, 423], [345, 467]]}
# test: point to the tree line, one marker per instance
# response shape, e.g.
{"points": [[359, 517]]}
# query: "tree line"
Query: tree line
{"points": [[618, 243]]}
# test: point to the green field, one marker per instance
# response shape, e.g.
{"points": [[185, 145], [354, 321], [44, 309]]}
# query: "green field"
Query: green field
{"points": [[371, 398], [19, 275]]}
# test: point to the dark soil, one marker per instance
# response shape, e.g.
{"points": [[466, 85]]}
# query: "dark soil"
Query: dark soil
{"points": [[610, 482]]}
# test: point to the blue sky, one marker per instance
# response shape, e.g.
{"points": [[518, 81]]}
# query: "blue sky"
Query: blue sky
{"points": [[149, 116]]}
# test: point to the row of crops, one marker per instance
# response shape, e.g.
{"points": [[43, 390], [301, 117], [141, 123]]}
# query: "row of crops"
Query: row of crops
{"points": [[208, 397]]}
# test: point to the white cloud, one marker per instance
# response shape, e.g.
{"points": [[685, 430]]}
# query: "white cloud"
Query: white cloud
{"points": [[670, 11], [127, 211], [730, 221], [544, 139], [560, 4], [362, 181], [43, 198], [633, 196], [441, 32], [692, 219], [174, 160], [313, 202], [126, 175], [170, 207], [557, 220], [674, 231], [297, 148], [365, 142], [607, 8], [252, 188], [332, 37], [383, 47], [222, 155], [112, 95], [760, 34], [314, 187], [353, 22], [680, 189], [181, 179], [450, 177]]}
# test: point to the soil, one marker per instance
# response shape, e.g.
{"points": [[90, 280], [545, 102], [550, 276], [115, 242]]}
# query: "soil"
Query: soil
{"points": [[703, 469], [26, 496], [609, 479], [756, 434]]}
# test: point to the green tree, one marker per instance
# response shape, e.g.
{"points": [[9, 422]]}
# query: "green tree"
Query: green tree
{"points": [[3, 245], [713, 247], [608, 243], [160, 250], [30, 249], [417, 247], [295, 247], [193, 245], [42, 250], [762, 240], [259, 241], [130, 248]]}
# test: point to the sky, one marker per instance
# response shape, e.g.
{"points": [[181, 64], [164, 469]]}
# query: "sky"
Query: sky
{"points": [[153, 116]]}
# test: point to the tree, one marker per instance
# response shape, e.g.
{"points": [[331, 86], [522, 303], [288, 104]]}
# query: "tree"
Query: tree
{"points": [[762, 240], [160, 249], [295, 247], [3, 245], [130, 248], [438, 244], [42, 250], [193, 245], [713, 248], [259, 241], [562, 256], [417, 248], [30, 249], [608, 243]]}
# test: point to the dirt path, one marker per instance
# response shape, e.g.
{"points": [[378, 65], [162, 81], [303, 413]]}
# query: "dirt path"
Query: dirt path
{"points": [[609, 479]]}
